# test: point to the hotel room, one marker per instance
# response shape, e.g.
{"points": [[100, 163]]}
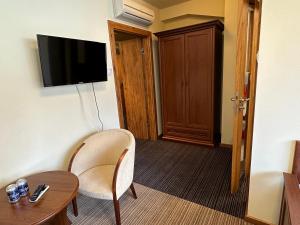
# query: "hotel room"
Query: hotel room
{"points": [[149, 112]]}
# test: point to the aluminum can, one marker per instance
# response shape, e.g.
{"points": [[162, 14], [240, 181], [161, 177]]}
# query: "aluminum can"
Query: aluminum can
{"points": [[22, 187], [12, 193]]}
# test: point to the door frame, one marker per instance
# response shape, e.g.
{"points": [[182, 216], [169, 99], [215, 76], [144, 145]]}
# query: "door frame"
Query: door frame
{"points": [[239, 84], [148, 73], [257, 5], [239, 92]]}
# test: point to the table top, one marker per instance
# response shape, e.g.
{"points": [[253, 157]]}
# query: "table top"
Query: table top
{"points": [[63, 188]]}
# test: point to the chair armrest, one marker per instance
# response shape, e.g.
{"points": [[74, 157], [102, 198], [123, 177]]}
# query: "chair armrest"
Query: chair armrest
{"points": [[123, 174], [73, 156]]}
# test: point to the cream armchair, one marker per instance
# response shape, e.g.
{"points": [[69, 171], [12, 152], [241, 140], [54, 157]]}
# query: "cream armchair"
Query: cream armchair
{"points": [[104, 164]]}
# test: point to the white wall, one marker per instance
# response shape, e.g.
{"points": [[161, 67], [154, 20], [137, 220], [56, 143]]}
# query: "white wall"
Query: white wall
{"points": [[277, 114], [40, 126]]}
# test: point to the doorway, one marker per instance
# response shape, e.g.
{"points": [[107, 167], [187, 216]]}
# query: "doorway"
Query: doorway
{"points": [[134, 79]]}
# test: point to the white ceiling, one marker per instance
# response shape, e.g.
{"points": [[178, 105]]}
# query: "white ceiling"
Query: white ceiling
{"points": [[164, 3]]}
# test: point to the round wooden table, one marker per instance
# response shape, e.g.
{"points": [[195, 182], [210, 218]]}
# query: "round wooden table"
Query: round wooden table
{"points": [[50, 209]]}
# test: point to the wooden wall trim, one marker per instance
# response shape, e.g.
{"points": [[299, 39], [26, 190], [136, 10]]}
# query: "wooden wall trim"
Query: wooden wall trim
{"points": [[111, 27], [128, 29], [255, 221]]}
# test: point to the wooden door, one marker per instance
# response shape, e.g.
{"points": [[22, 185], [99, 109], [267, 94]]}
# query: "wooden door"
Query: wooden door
{"points": [[199, 83], [133, 89], [256, 17], [173, 83], [247, 47], [120, 32]]}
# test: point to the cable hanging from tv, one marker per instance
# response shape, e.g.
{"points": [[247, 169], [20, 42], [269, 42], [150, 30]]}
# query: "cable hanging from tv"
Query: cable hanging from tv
{"points": [[97, 106], [98, 112]]}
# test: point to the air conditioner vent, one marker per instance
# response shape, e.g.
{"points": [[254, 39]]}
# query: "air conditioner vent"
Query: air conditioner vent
{"points": [[133, 11]]}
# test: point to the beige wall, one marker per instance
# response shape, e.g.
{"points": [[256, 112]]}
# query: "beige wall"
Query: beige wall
{"points": [[277, 109], [194, 7], [188, 13], [157, 21]]}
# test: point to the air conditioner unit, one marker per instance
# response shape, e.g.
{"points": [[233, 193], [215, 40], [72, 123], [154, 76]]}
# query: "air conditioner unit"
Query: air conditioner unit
{"points": [[133, 11]]}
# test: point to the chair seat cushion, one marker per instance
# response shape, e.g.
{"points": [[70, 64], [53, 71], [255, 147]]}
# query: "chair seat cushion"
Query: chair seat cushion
{"points": [[97, 182]]}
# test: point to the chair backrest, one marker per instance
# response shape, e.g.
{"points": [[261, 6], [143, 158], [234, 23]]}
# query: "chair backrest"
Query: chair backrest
{"points": [[296, 164], [102, 148]]}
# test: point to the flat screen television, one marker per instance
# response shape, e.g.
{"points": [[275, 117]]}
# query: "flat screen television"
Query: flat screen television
{"points": [[69, 61]]}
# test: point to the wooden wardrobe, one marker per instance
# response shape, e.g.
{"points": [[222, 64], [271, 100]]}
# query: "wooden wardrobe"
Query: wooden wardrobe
{"points": [[191, 75]]}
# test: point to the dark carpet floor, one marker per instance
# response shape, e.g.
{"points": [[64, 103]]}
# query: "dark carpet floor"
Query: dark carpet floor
{"points": [[194, 173]]}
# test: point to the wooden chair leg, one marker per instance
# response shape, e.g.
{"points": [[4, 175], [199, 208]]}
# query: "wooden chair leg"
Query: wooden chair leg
{"points": [[117, 211], [75, 209], [133, 191]]}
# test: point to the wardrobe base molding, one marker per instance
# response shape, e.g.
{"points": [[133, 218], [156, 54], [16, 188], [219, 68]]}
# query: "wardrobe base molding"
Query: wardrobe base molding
{"points": [[187, 140]]}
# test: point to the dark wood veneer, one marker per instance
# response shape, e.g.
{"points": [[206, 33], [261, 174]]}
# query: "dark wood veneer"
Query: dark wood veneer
{"points": [[73, 156], [114, 188], [296, 165], [215, 23], [290, 204], [290, 207], [191, 75]]}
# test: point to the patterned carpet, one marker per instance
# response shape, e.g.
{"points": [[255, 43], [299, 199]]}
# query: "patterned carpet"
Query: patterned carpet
{"points": [[194, 173], [151, 208]]}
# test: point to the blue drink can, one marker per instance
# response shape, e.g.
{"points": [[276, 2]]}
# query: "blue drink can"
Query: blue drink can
{"points": [[22, 187], [12, 193]]}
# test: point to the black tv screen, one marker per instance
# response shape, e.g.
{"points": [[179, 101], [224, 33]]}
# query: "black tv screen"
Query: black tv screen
{"points": [[70, 61]]}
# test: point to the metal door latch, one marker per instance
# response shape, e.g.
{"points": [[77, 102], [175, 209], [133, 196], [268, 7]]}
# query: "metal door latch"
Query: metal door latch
{"points": [[240, 101]]}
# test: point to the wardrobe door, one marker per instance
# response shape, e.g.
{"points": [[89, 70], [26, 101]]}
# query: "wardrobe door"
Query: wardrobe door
{"points": [[172, 78], [199, 82]]}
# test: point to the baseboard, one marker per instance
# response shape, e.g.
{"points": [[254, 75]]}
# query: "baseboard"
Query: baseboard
{"points": [[255, 221], [225, 146], [187, 140]]}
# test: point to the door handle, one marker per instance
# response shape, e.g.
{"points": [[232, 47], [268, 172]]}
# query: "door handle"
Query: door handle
{"points": [[233, 99], [244, 99], [240, 101]]}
